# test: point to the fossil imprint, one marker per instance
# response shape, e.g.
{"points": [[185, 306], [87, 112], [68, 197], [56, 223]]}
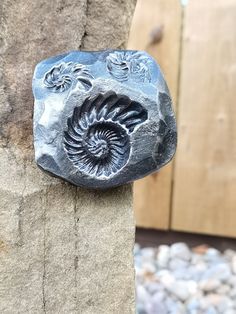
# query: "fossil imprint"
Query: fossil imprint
{"points": [[61, 77], [97, 139], [102, 119]]}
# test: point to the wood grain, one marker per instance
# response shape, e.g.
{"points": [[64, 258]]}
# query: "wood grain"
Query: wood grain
{"points": [[205, 172], [152, 194]]}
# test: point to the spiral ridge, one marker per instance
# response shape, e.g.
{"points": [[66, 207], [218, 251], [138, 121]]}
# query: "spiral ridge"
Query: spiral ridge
{"points": [[97, 139]]}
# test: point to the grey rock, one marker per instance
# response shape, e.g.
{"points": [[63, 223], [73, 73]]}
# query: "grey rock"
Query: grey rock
{"points": [[102, 119]]}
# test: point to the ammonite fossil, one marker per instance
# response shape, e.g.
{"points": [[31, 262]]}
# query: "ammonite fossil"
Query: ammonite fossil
{"points": [[102, 119], [61, 76], [97, 139], [126, 65]]}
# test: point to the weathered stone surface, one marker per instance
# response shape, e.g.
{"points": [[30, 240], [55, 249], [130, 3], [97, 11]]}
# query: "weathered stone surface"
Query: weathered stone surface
{"points": [[62, 249], [102, 119]]}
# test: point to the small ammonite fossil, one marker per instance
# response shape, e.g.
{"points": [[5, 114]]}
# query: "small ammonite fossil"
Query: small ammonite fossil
{"points": [[60, 77], [102, 119], [97, 138], [125, 65]]}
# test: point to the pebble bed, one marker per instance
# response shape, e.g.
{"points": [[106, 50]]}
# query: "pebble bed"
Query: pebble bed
{"points": [[178, 280]]}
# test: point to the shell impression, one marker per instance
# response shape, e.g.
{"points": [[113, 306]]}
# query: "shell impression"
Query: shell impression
{"points": [[97, 139], [102, 118]]}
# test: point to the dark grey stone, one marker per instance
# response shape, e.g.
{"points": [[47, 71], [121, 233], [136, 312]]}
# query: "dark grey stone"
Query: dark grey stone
{"points": [[102, 119]]}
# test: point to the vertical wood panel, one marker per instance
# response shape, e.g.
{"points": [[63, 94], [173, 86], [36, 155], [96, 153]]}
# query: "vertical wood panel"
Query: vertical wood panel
{"points": [[152, 194], [205, 172]]}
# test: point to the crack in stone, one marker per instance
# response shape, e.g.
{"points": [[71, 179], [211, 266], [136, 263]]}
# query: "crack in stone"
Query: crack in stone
{"points": [[44, 251], [85, 34], [20, 210], [76, 258]]}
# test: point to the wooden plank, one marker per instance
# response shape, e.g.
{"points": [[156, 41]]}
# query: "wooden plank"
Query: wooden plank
{"points": [[152, 194], [205, 172]]}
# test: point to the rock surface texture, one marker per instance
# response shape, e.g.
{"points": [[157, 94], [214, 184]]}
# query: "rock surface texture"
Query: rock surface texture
{"points": [[102, 119], [62, 249]]}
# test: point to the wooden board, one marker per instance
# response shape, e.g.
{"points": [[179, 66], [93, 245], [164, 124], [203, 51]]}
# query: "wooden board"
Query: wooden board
{"points": [[152, 194], [205, 170]]}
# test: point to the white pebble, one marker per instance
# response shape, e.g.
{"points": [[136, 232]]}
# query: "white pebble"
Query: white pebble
{"points": [[211, 310], [163, 256], [152, 287], [166, 278], [148, 268], [136, 249], [212, 255], [180, 290], [233, 264], [224, 289], [180, 250], [142, 294], [232, 281], [230, 311], [209, 285], [193, 305], [175, 280], [229, 253], [220, 271], [177, 263], [148, 253]]}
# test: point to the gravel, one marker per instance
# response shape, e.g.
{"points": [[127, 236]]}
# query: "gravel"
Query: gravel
{"points": [[178, 280]]}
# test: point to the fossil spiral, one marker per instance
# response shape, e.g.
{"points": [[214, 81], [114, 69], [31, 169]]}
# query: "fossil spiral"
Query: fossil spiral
{"points": [[128, 65], [61, 77], [97, 139]]}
